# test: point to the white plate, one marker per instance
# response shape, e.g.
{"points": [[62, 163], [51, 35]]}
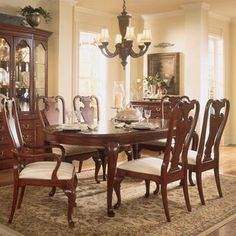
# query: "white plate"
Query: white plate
{"points": [[70, 127], [143, 126]]}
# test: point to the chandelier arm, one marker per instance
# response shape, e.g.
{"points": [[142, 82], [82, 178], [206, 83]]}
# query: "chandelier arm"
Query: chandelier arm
{"points": [[141, 52], [107, 53]]}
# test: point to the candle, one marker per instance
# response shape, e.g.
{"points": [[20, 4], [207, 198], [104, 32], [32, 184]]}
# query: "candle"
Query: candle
{"points": [[129, 36], [118, 38], [118, 100], [104, 35]]}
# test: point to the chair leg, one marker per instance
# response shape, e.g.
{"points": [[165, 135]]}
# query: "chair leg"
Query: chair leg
{"points": [[21, 197], [97, 168], [199, 186], [217, 178], [52, 192], [156, 191], [14, 202], [185, 190], [117, 183], [190, 178], [165, 201], [147, 184], [71, 204], [80, 166], [129, 153]]}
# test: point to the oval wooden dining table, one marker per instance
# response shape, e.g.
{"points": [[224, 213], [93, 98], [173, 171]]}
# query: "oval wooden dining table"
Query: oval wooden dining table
{"points": [[110, 137]]}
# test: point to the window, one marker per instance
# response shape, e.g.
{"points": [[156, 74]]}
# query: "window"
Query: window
{"points": [[92, 70], [216, 67]]}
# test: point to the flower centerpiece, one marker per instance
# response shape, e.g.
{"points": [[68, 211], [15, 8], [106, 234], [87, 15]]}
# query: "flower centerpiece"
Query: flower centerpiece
{"points": [[156, 85], [33, 15]]}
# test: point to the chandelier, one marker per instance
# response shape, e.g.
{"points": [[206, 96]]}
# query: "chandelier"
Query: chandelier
{"points": [[124, 40]]}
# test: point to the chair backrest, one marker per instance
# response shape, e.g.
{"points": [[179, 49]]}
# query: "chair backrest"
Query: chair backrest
{"points": [[11, 121], [88, 107], [182, 123], [2, 97], [168, 103], [51, 110], [214, 121]]}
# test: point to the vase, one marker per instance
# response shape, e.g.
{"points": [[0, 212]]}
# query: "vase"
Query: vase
{"points": [[33, 19], [153, 90]]}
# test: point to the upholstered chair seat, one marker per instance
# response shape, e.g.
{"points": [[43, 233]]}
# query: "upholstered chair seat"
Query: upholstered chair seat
{"points": [[149, 165], [73, 150], [44, 169]]}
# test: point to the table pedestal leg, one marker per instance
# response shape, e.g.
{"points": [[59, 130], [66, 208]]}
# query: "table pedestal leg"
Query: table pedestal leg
{"points": [[112, 154]]}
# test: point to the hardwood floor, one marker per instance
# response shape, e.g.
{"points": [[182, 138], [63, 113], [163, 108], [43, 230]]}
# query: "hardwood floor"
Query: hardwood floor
{"points": [[227, 166]]}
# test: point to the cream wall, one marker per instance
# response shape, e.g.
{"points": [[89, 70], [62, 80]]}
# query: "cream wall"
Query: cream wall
{"points": [[167, 28], [233, 82]]}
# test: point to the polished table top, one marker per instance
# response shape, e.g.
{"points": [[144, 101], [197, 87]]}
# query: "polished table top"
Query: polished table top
{"points": [[106, 134]]}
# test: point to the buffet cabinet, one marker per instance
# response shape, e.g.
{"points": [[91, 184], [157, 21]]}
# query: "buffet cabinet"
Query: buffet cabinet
{"points": [[23, 76], [154, 106]]}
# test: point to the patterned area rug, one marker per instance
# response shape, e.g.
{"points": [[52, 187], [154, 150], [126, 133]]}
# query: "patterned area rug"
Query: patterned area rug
{"points": [[41, 215]]}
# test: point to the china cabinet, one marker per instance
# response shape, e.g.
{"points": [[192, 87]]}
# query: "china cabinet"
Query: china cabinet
{"points": [[23, 75]]}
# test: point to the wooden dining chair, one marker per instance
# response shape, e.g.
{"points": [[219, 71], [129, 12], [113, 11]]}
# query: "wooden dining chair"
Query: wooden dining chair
{"points": [[182, 122], [51, 111], [206, 157], [167, 104], [29, 169], [88, 109]]}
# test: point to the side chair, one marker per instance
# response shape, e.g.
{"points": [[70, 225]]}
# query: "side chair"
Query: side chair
{"points": [[30, 170], [167, 104], [162, 171], [207, 155], [51, 111], [88, 109]]}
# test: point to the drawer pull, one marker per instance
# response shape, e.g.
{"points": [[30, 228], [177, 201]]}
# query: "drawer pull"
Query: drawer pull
{"points": [[26, 126], [1, 154]]}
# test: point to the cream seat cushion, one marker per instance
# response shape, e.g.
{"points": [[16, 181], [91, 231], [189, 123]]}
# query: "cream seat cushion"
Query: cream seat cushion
{"points": [[149, 165], [44, 169], [71, 150], [192, 157]]}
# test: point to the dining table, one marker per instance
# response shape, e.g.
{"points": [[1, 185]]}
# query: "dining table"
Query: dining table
{"points": [[110, 135]]}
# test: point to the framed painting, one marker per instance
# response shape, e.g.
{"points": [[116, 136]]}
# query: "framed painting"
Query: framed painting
{"points": [[166, 65]]}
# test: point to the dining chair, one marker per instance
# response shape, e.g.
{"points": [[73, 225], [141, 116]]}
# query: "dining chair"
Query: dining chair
{"points": [[30, 167], [87, 107], [162, 171], [51, 111], [207, 155], [167, 104]]}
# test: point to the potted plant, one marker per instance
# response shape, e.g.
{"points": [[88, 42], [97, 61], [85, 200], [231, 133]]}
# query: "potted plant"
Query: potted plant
{"points": [[33, 15]]}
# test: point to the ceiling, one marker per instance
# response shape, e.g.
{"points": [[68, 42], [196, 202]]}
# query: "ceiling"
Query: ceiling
{"points": [[223, 7]]}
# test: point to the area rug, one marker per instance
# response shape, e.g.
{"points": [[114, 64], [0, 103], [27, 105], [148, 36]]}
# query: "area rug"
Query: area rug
{"points": [[42, 215]]}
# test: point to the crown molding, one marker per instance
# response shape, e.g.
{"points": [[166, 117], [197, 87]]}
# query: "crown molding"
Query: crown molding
{"points": [[196, 5], [219, 17], [70, 2], [163, 15], [94, 12]]}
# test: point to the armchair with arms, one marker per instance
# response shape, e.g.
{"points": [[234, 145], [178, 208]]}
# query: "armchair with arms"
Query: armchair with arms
{"points": [[30, 170]]}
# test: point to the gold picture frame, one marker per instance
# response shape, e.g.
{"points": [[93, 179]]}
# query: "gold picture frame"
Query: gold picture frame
{"points": [[166, 64]]}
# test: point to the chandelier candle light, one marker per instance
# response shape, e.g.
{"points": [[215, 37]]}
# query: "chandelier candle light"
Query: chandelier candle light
{"points": [[124, 40]]}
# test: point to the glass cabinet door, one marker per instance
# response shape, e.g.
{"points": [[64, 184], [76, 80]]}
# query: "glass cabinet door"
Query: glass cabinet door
{"points": [[40, 70], [22, 75], [4, 67]]}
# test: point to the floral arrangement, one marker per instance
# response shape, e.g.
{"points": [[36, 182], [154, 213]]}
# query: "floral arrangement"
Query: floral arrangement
{"points": [[158, 80], [26, 11]]}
